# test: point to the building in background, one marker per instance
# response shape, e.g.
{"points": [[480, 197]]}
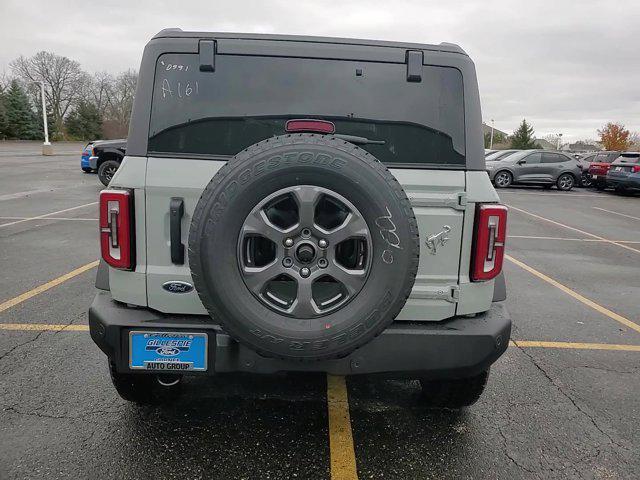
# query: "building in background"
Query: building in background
{"points": [[581, 147], [500, 138]]}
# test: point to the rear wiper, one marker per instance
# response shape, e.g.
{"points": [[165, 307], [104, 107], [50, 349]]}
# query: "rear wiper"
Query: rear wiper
{"points": [[359, 140]]}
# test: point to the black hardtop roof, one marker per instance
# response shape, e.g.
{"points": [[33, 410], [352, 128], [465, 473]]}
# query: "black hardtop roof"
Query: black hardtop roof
{"points": [[179, 33]]}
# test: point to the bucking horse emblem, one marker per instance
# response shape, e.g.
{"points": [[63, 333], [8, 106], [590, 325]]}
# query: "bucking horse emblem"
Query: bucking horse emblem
{"points": [[438, 239]]}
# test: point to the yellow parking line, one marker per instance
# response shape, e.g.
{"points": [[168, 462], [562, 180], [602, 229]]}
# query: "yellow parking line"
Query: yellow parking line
{"points": [[592, 235], [574, 346], [336, 386], [46, 286], [341, 450], [596, 240], [617, 213], [47, 214], [589, 303], [43, 327], [53, 218]]}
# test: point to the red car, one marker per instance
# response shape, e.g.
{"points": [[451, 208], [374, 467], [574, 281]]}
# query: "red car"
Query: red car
{"points": [[600, 167]]}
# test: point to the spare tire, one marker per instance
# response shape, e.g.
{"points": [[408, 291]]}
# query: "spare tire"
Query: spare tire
{"points": [[303, 247]]}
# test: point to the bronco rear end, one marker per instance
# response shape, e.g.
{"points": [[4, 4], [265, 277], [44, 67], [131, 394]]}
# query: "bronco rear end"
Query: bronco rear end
{"points": [[302, 204]]}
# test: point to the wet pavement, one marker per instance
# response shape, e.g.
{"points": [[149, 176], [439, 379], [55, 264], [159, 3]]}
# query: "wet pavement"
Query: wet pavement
{"points": [[546, 413]]}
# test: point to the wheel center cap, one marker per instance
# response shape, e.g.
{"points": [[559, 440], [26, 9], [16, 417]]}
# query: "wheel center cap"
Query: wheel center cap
{"points": [[306, 253]]}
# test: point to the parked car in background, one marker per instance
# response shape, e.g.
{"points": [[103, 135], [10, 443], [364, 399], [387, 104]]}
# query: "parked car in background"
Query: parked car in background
{"points": [[584, 161], [535, 167], [624, 173], [106, 156], [499, 155], [600, 166], [87, 152], [488, 152]]}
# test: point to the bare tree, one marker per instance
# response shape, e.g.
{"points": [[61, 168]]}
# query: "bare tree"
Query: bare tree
{"points": [[553, 139], [121, 95], [99, 90], [63, 78], [5, 81]]}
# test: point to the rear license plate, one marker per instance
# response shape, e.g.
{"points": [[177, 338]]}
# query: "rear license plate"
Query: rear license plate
{"points": [[618, 169], [168, 351], [595, 177]]}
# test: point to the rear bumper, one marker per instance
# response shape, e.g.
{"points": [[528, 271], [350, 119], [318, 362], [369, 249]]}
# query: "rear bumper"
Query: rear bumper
{"points": [[460, 347], [598, 176], [629, 181]]}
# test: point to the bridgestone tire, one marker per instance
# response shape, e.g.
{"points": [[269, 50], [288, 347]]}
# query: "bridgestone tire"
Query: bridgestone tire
{"points": [[270, 166], [454, 393]]}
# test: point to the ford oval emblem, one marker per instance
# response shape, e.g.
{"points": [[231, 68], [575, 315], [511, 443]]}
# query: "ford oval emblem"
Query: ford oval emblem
{"points": [[177, 286], [168, 351]]}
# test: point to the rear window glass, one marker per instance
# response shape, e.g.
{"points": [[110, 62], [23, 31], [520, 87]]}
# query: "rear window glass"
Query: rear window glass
{"points": [[499, 155], [629, 158], [604, 158], [248, 99]]}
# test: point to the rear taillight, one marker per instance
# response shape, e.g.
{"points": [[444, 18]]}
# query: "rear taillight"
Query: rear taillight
{"points": [[488, 243], [636, 168], [116, 228]]}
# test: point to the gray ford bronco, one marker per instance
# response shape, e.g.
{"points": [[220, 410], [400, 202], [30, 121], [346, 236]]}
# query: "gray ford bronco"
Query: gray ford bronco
{"points": [[293, 203]]}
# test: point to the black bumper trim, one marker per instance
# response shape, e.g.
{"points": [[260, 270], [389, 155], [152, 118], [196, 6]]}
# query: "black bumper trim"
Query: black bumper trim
{"points": [[460, 347]]}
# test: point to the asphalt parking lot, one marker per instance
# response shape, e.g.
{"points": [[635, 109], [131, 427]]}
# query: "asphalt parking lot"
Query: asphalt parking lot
{"points": [[563, 402]]}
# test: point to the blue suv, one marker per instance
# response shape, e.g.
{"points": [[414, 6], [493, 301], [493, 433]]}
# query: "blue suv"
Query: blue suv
{"points": [[87, 152]]}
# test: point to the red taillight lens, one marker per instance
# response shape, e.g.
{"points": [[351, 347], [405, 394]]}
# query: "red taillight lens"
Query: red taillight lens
{"points": [[310, 125], [489, 239], [116, 228], [636, 168]]}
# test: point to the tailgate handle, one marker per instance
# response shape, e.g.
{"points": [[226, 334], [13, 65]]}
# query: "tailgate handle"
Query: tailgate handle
{"points": [[176, 212], [207, 54], [414, 65]]}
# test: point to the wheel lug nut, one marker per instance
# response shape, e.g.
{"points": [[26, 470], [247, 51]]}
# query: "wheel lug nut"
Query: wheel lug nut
{"points": [[288, 242], [322, 262], [305, 272], [322, 243], [287, 261]]}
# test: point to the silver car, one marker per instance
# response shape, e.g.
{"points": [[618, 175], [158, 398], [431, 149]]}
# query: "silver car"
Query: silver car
{"points": [[535, 167]]}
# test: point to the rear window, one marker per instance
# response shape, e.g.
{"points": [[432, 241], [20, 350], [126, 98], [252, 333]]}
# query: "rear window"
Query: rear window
{"points": [[248, 99], [499, 155], [604, 158], [628, 158]]}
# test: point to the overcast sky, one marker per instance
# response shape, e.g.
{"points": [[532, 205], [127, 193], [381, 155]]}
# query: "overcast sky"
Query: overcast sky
{"points": [[566, 66]]}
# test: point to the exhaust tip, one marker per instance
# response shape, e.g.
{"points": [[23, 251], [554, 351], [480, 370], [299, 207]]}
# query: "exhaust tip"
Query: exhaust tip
{"points": [[169, 380]]}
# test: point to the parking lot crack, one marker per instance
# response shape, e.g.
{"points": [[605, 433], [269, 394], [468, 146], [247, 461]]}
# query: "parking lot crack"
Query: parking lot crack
{"points": [[505, 450], [70, 322], [570, 398], [605, 369], [20, 345], [37, 414]]}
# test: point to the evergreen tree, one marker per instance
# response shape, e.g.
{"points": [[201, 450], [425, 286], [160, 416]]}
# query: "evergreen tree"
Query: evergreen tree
{"points": [[21, 119], [84, 122], [522, 138], [4, 121], [497, 139]]}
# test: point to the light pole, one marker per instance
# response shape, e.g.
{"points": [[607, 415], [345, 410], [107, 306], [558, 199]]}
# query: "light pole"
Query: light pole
{"points": [[47, 149], [559, 141], [491, 141]]}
